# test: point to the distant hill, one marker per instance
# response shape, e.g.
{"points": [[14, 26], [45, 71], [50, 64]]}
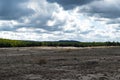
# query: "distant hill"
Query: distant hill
{"points": [[67, 41]]}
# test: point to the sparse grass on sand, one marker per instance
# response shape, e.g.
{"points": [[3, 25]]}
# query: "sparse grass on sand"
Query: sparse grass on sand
{"points": [[58, 63]]}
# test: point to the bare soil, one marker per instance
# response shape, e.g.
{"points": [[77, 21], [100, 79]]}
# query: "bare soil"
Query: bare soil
{"points": [[60, 63]]}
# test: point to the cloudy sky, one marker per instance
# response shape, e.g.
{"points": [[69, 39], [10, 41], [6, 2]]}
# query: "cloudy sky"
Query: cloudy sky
{"points": [[50, 20]]}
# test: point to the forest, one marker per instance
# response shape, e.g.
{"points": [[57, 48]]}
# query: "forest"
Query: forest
{"points": [[22, 43]]}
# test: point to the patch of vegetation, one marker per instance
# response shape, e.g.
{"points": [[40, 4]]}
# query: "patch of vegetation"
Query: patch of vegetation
{"points": [[41, 61], [20, 43], [89, 64], [38, 60]]}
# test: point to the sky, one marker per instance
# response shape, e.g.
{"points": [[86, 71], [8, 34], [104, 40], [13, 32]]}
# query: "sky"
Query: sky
{"points": [[53, 20]]}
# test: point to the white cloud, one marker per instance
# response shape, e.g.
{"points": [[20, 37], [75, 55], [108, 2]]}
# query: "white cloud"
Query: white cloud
{"points": [[51, 22]]}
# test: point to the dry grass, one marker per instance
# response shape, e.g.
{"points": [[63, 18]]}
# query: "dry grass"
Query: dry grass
{"points": [[60, 63], [42, 61], [39, 61]]}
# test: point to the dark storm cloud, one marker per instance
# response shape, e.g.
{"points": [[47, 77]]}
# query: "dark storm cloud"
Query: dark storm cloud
{"points": [[103, 8], [13, 9], [99, 8], [69, 4], [114, 21], [110, 12], [41, 22]]}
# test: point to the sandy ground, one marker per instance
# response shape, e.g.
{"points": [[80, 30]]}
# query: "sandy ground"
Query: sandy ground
{"points": [[60, 63]]}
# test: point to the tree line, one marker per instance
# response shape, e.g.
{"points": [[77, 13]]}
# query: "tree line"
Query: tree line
{"points": [[21, 43]]}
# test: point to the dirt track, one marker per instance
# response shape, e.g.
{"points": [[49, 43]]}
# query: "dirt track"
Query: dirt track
{"points": [[46, 63]]}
